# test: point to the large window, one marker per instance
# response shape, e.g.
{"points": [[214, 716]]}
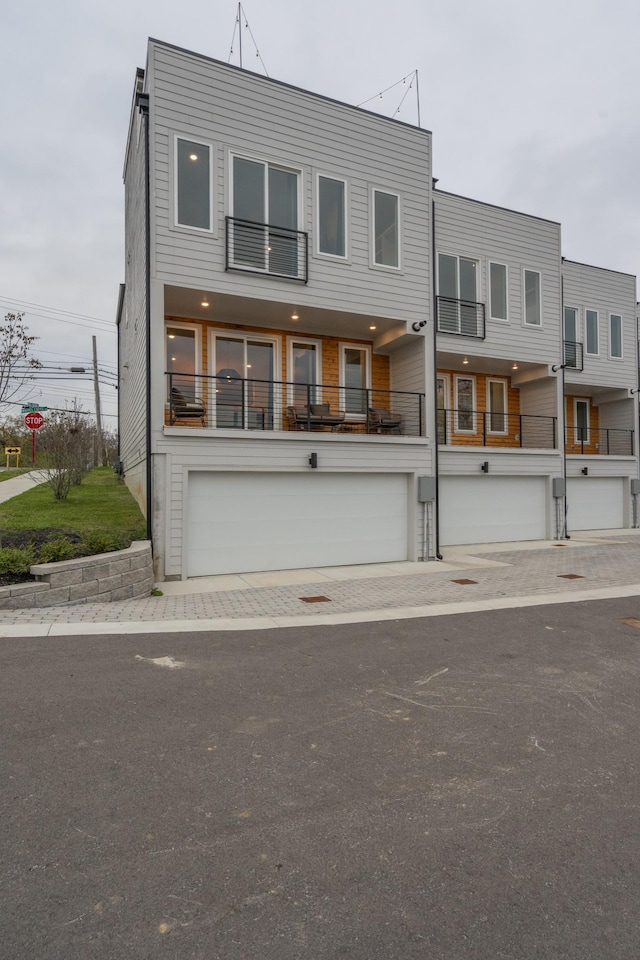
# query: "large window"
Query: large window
{"points": [[497, 406], [331, 223], [458, 294], [465, 405], [615, 336], [303, 365], [355, 378], [498, 291], [265, 210], [193, 184], [532, 298], [591, 324], [386, 229]]}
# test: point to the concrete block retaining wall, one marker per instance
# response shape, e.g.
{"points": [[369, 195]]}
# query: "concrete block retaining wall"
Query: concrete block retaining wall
{"points": [[121, 575]]}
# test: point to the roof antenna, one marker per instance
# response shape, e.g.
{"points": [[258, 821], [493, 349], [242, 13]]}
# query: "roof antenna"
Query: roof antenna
{"points": [[241, 17]]}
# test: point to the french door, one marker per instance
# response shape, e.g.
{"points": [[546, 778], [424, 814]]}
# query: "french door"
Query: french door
{"points": [[244, 369]]}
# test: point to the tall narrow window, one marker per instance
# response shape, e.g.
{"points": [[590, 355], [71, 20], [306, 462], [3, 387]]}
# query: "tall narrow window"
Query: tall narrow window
{"points": [[591, 323], [331, 217], [193, 184], [304, 372], [457, 296], [532, 298], [355, 378], [443, 395], [498, 291], [615, 336], [386, 232], [465, 405], [181, 364], [265, 210], [581, 421], [497, 406]]}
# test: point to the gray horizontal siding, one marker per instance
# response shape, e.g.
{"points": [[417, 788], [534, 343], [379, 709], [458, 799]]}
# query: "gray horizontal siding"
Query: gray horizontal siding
{"points": [[485, 233], [242, 113], [465, 461], [592, 288]]}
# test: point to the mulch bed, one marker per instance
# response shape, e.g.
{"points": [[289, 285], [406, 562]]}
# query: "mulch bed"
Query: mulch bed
{"points": [[30, 538]]}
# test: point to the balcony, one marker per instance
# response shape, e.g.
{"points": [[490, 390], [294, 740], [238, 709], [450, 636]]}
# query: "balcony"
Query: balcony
{"points": [[493, 429], [463, 318], [233, 403], [261, 248], [573, 355], [607, 442]]}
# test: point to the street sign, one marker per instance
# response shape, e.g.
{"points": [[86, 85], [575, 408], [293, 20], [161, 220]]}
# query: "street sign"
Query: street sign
{"points": [[34, 420], [33, 408], [12, 451]]}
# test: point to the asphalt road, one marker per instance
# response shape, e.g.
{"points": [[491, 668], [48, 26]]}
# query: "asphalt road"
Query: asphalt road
{"points": [[459, 787]]}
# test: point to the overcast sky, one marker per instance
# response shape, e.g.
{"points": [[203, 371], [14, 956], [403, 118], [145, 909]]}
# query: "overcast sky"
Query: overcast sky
{"points": [[534, 106]]}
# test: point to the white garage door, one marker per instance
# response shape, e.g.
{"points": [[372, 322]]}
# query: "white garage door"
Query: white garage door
{"points": [[239, 522], [488, 509], [595, 503]]}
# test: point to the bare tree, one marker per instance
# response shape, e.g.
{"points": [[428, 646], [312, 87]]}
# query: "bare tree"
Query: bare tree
{"points": [[16, 360], [66, 443]]}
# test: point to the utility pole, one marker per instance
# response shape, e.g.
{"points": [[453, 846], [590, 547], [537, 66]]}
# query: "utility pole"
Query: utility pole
{"points": [[100, 457]]}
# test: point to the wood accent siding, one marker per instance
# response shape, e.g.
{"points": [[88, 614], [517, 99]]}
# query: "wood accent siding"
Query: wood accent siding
{"points": [[455, 438]]}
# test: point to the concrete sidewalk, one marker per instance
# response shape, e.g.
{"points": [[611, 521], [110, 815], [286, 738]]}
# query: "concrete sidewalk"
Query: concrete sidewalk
{"points": [[17, 485], [481, 577]]}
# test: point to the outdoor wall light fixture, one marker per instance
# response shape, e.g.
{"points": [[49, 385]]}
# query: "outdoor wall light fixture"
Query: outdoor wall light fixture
{"points": [[585, 471], [485, 466], [418, 325], [558, 366], [313, 460]]}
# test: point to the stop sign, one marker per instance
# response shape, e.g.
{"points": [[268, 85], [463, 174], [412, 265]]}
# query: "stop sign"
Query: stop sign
{"points": [[34, 420]]}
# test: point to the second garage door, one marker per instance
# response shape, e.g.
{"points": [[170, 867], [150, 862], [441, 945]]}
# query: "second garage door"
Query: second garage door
{"points": [[595, 503], [241, 522], [492, 509]]}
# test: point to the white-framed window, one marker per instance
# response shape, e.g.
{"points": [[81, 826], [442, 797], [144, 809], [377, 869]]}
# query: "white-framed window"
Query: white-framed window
{"points": [[331, 216], [498, 291], [498, 417], [465, 417], [615, 336], [355, 378], [266, 210], [385, 228], [442, 407], [183, 351], [570, 322], [592, 331], [245, 368], [458, 295], [193, 186], [304, 371], [532, 290], [581, 419]]}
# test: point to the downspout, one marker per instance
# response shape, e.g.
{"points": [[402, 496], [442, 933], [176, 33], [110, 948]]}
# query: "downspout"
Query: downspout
{"points": [[436, 462], [563, 440], [143, 104]]}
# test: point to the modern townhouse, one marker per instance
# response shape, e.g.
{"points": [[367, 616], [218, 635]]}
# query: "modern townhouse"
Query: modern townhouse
{"points": [[324, 360], [600, 376], [498, 306], [273, 363]]}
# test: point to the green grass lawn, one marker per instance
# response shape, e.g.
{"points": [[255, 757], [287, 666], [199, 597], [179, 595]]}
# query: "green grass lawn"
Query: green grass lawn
{"points": [[101, 504]]}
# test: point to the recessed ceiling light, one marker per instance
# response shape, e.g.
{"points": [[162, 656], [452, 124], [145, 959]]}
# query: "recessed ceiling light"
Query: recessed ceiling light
{"points": [[172, 336], [373, 327], [465, 360], [294, 316], [515, 366], [205, 303]]}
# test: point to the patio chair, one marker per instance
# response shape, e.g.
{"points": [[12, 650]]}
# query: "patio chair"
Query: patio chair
{"points": [[380, 420], [181, 408]]}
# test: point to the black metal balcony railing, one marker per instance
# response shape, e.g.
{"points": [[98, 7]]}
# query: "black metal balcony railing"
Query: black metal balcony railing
{"points": [[233, 402], [606, 442], [262, 248], [488, 429], [573, 355], [462, 317]]}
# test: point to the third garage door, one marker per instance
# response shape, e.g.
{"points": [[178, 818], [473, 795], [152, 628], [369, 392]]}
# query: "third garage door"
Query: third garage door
{"points": [[488, 509]]}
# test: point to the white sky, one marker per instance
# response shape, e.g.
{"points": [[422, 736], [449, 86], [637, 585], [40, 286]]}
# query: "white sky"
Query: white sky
{"points": [[533, 106]]}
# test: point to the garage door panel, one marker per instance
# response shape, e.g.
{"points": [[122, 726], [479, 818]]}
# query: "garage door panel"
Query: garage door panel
{"points": [[595, 503], [492, 509], [245, 522]]}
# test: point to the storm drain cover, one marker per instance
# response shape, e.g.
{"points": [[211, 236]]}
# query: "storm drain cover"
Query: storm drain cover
{"points": [[315, 599], [464, 581], [558, 544], [570, 576]]}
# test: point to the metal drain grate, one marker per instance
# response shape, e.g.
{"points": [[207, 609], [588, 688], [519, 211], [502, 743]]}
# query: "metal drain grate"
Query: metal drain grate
{"points": [[570, 576], [558, 544], [464, 581], [315, 599]]}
